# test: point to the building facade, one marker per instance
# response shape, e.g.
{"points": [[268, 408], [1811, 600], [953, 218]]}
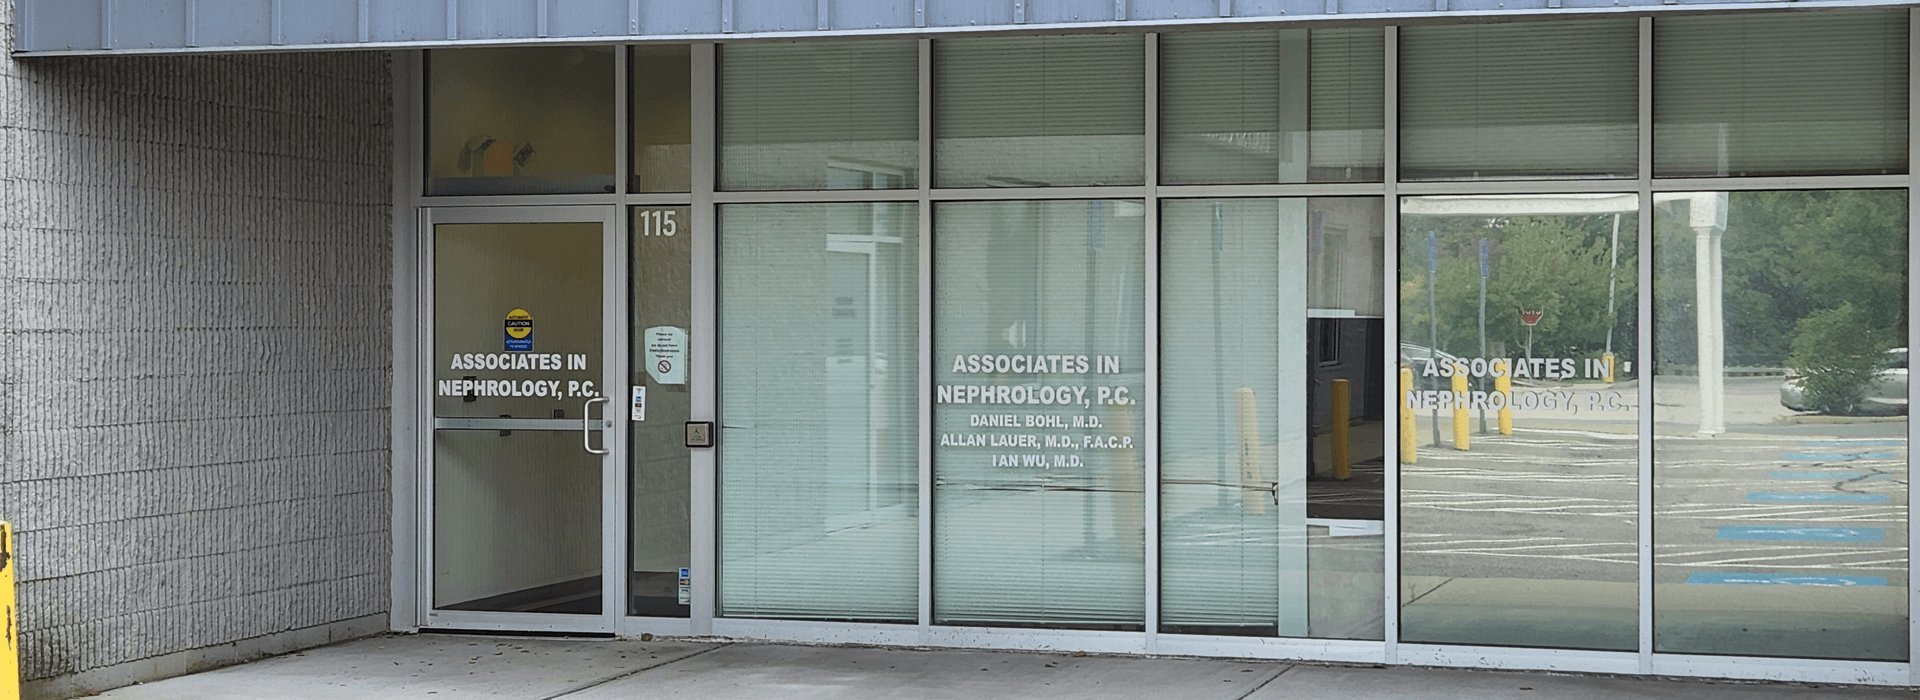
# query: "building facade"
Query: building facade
{"points": [[1547, 337]]}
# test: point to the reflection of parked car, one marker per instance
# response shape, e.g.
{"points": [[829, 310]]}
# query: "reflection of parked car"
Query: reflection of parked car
{"points": [[1417, 357], [1886, 393]]}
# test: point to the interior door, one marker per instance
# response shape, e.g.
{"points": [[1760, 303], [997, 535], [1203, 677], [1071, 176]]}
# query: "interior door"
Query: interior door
{"points": [[520, 458]]}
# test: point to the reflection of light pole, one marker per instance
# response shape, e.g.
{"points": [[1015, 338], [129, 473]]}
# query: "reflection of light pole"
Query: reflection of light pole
{"points": [[1529, 342], [1433, 322], [1483, 320], [1613, 277]]}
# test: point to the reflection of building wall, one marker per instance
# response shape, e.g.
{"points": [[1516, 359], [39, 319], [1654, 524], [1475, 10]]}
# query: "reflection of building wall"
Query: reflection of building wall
{"points": [[198, 432], [1345, 244]]}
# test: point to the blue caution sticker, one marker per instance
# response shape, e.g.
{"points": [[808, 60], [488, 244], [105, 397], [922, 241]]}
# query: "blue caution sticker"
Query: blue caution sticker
{"points": [[519, 331], [1786, 580], [1779, 533]]}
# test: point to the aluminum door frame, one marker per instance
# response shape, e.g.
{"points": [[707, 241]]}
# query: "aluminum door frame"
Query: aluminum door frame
{"points": [[613, 373]]}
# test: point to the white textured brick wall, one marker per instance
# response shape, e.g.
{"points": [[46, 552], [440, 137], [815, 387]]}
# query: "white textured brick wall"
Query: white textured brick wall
{"points": [[195, 294]]}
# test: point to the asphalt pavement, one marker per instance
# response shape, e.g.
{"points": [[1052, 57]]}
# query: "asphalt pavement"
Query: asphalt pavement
{"points": [[1784, 535], [447, 667]]}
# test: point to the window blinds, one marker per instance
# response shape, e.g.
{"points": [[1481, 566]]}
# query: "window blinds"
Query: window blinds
{"points": [[819, 412], [1292, 105], [1231, 556], [1347, 89], [1519, 100], [1056, 537], [819, 115], [1775, 94], [1049, 110]]}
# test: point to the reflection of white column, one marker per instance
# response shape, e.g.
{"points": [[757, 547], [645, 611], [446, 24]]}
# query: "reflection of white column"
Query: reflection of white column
{"points": [[1707, 214], [1291, 417]]}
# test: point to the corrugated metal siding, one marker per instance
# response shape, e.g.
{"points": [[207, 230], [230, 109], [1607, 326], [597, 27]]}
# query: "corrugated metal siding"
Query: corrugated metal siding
{"points": [[165, 26]]}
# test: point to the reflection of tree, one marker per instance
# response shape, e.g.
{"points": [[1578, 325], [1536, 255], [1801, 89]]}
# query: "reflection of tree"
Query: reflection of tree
{"points": [[1835, 351], [1789, 256], [1556, 264]]}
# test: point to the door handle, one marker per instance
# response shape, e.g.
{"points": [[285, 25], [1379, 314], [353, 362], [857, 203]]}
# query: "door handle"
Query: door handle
{"points": [[586, 426]]}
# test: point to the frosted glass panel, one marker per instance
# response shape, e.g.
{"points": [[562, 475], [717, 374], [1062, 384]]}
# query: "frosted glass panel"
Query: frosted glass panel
{"points": [[1039, 110], [1292, 105], [819, 115], [1039, 367], [1519, 100], [1780, 94], [520, 120], [819, 367]]}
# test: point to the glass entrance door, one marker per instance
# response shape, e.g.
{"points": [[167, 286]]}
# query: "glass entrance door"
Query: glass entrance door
{"points": [[521, 458]]}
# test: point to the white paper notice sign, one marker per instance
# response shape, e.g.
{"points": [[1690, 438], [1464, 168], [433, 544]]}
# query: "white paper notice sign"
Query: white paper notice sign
{"points": [[666, 355], [639, 404]]}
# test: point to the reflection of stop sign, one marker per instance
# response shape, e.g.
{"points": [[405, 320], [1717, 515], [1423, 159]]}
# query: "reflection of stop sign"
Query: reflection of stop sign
{"points": [[1530, 317]]}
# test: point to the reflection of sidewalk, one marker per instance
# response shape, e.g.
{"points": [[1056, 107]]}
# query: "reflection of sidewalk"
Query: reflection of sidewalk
{"points": [[1521, 611], [427, 667]]}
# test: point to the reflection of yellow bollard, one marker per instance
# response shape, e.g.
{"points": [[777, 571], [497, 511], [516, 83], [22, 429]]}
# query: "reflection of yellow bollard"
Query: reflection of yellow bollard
{"points": [[1250, 459], [1408, 453], [1460, 408], [1608, 358], [1342, 406], [10, 656], [1503, 385]]}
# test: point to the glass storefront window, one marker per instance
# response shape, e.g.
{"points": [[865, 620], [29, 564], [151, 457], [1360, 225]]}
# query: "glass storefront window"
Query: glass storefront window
{"points": [[520, 121], [1520, 100], [1780, 94], [1038, 416], [1519, 421], [819, 115], [662, 109], [1291, 105], [1034, 111], [1779, 451], [1780, 409], [660, 468], [1270, 514], [819, 368]]}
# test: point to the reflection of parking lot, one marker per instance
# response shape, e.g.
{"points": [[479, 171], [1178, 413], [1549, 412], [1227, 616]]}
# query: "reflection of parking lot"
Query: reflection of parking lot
{"points": [[1792, 533], [1750, 401]]}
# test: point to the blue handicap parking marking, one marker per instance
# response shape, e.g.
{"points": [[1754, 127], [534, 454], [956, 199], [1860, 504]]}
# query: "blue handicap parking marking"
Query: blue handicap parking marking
{"points": [[1787, 580], [1836, 456], [1781, 533], [1817, 498], [1853, 443], [1817, 476]]}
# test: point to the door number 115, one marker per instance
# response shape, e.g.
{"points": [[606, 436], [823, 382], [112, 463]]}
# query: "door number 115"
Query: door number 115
{"points": [[657, 222]]}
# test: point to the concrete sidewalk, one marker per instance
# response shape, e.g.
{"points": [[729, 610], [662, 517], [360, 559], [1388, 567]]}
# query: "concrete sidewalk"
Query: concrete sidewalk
{"points": [[446, 667]]}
